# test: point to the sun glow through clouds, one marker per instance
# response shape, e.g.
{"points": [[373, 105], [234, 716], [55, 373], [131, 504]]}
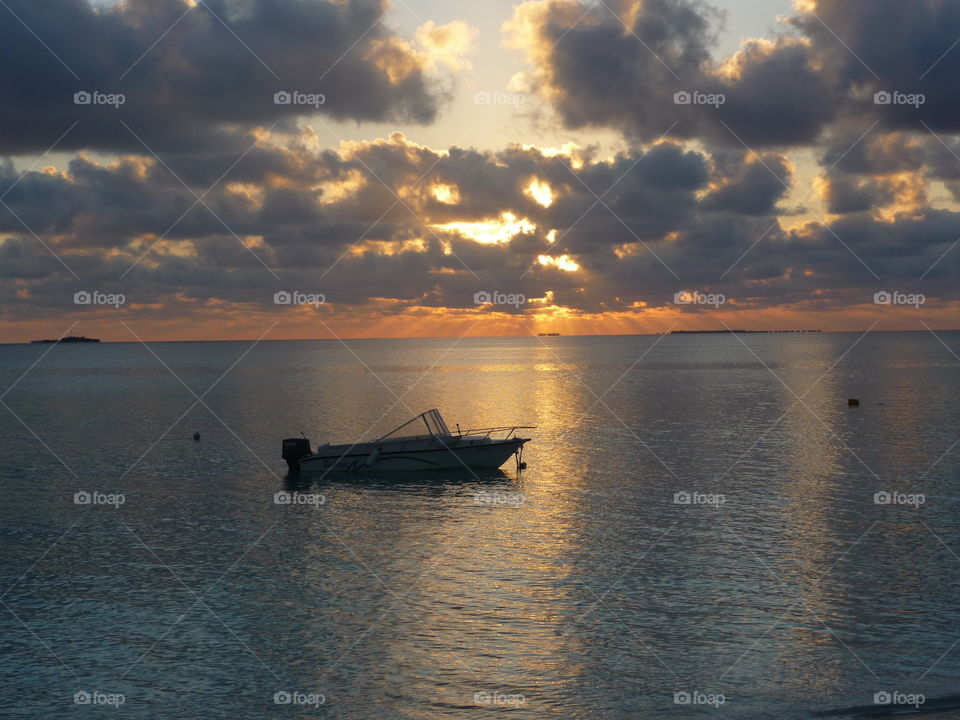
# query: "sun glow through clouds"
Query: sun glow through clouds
{"points": [[540, 192], [446, 194], [490, 232], [564, 262]]}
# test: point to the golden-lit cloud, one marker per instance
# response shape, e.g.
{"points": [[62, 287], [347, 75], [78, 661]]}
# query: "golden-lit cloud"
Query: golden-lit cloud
{"points": [[389, 248], [446, 193], [563, 262], [396, 58], [447, 45], [251, 192], [575, 154], [494, 231], [342, 188], [523, 32], [540, 192], [752, 52]]}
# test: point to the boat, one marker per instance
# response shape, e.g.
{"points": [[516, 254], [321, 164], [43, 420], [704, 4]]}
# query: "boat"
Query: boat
{"points": [[423, 443]]}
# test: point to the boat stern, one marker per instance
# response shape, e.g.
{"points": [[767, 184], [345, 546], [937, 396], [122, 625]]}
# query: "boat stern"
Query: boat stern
{"points": [[293, 451]]}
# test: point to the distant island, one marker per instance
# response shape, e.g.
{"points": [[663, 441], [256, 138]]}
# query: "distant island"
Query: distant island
{"points": [[710, 332], [547, 334], [68, 339]]}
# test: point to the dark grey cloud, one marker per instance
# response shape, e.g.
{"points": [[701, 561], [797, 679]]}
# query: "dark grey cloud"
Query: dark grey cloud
{"points": [[827, 65], [754, 187], [626, 72], [849, 195], [193, 77], [890, 46]]}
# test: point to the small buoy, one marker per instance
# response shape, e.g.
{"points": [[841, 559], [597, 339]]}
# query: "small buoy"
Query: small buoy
{"points": [[522, 466], [853, 402], [196, 437]]}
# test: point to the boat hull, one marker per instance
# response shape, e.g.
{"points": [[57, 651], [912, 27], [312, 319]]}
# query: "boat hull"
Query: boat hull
{"points": [[488, 455]]}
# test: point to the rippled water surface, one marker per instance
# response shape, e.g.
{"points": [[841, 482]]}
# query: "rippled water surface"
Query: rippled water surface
{"points": [[589, 590]]}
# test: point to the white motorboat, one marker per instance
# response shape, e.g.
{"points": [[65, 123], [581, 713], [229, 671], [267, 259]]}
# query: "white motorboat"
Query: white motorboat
{"points": [[423, 443]]}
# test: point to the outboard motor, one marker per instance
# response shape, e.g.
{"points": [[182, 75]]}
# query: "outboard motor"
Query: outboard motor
{"points": [[294, 450]]}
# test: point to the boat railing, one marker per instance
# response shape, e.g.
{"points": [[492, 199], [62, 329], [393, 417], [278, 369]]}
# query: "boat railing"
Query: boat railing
{"points": [[508, 431], [403, 443], [416, 442]]}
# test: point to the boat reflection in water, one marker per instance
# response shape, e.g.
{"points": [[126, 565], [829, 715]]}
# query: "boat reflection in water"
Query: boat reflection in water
{"points": [[433, 481]]}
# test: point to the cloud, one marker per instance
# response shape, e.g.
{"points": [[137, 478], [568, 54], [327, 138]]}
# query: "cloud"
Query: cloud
{"points": [[892, 47], [753, 186], [631, 69], [192, 75], [668, 218], [447, 45], [869, 61]]}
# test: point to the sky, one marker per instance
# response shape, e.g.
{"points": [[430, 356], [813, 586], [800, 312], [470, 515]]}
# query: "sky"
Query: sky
{"points": [[233, 169]]}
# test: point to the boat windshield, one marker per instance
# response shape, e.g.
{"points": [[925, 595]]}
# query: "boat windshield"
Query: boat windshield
{"points": [[429, 421]]}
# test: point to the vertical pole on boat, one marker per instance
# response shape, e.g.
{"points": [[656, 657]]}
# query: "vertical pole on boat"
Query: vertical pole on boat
{"points": [[518, 454]]}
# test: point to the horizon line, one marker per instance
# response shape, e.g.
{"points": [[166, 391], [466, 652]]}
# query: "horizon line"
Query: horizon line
{"points": [[501, 337]]}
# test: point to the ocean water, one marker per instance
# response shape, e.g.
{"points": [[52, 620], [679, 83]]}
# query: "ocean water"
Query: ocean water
{"points": [[704, 526]]}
